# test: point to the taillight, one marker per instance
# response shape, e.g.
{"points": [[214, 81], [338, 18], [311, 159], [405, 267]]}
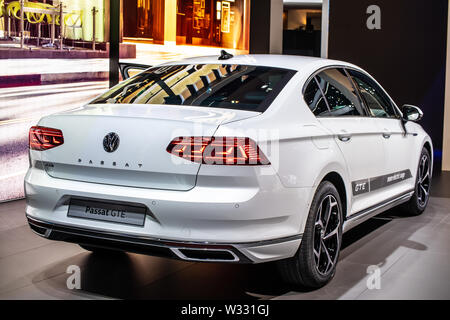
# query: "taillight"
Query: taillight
{"points": [[42, 138], [218, 150]]}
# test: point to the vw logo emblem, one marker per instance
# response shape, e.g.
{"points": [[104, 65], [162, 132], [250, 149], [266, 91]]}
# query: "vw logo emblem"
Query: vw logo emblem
{"points": [[111, 142]]}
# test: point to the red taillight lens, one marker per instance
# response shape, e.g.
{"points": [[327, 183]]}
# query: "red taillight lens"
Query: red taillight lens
{"points": [[42, 138], [218, 150]]}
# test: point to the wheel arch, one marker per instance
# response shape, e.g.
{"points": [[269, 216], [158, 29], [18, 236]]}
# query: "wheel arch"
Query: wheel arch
{"points": [[337, 175], [336, 179], [427, 145]]}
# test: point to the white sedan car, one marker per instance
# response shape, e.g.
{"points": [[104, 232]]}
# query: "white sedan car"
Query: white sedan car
{"points": [[244, 159]]}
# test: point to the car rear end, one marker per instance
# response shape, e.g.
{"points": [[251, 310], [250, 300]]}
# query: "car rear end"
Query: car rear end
{"points": [[155, 178]]}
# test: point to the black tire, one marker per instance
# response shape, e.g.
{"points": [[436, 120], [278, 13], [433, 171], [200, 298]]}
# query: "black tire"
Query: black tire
{"points": [[418, 202], [305, 269]]}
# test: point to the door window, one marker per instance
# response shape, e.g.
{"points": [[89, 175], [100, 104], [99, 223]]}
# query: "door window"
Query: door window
{"points": [[331, 94], [339, 92], [376, 100]]}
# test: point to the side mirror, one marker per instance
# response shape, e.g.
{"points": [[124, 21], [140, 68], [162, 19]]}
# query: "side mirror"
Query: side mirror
{"points": [[411, 113]]}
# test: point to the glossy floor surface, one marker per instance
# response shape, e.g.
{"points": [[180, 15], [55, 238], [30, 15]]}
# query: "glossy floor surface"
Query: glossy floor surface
{"points": [[411, 255]]}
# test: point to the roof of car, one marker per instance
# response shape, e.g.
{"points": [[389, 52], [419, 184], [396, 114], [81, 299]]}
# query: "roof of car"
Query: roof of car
{"points": [[298, 63]]}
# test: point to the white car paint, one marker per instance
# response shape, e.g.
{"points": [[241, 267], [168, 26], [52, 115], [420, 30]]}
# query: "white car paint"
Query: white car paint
{"points": [[259, 210]]}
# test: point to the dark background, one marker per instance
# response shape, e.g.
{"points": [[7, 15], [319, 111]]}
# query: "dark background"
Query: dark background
{"points": [[259, 41], [407, 56]]}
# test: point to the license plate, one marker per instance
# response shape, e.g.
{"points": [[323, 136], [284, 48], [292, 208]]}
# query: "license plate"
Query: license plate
{"points": [[103, 211]]}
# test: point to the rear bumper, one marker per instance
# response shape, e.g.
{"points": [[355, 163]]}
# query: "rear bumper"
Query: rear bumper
{"points": [[256, 222], [189, 251]]}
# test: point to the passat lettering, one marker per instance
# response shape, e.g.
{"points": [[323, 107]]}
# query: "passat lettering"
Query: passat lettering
{"points": [[97, 211], [106, 212]]}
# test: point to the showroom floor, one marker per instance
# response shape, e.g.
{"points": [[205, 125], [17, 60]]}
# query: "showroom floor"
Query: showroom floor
{"points": [[412, 254]]}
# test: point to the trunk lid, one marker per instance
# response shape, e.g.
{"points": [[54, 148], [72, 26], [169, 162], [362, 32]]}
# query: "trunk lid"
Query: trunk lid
{"points": [[144, 132]]}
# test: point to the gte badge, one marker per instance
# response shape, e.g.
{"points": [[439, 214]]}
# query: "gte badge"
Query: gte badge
{"points": [[361, 186], [111, 142]]}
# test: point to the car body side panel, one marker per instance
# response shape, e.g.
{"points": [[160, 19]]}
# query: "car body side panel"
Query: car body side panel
{"points": [[401, 153], [362, 153]]}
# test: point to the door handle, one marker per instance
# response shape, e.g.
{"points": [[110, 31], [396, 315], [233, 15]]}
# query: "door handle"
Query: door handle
{"points": [[344, 137], [386, 135]]}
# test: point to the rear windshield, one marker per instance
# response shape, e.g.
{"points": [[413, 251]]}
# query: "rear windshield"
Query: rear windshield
{"points": [[241, 87]]}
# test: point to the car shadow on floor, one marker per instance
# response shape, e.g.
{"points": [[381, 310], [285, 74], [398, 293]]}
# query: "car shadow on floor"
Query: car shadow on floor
{"points": [[133, 276]]}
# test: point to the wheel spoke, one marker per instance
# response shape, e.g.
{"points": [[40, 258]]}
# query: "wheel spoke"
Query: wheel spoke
{"points": [[330, 261], [335, 231], [424, 159], [317, 255], [326, 210], [419, 193], [319, 217], [424, 191], [423, 181], [427, 166], [319, 224], [331, 204], [425, 176]]}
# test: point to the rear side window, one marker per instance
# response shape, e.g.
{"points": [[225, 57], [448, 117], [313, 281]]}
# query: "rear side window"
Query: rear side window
{"points": [[331, 94], [374, 97], [314, 98], [240, 87]]}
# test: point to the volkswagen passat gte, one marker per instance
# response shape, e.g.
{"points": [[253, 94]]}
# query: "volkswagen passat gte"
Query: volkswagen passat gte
{"points": [[238, 159]]}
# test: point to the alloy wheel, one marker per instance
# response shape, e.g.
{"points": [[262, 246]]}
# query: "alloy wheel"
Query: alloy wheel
{"points": [[327, 235], [423, 181]]}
